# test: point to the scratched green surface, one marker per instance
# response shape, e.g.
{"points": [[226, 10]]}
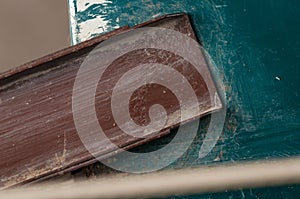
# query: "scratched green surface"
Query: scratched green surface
{"points": [[255, 45]]}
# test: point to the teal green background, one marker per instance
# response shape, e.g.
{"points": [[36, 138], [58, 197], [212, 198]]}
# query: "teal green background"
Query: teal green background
{"points": [[255, 46]]}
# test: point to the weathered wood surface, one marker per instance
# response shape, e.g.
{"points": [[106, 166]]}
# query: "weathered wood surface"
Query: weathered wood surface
{"points": [[38, 138]]}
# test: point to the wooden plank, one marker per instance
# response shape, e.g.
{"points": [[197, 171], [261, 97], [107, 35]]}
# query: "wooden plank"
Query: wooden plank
{"points": [[38, 137]]}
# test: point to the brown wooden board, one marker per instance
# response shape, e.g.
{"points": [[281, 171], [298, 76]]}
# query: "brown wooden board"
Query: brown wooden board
{"points": [[38, 138]]}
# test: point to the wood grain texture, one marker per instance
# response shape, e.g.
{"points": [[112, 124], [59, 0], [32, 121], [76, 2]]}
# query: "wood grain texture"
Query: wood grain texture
{"points": [[38, 138]]}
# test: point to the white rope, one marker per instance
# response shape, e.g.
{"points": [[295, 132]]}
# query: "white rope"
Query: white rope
{"points": [[169, 183]]}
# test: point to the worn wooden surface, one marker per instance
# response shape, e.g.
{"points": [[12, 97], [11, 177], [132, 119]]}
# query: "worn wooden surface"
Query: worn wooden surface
{"points": [[38, 138]]}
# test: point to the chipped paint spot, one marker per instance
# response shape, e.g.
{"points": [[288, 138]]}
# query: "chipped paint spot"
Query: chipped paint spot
{"points": [[278, 78], [61, 159]]}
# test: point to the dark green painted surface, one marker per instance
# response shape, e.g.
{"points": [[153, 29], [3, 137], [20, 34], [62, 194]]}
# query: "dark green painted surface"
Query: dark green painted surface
{"points": [[256, 47]]}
